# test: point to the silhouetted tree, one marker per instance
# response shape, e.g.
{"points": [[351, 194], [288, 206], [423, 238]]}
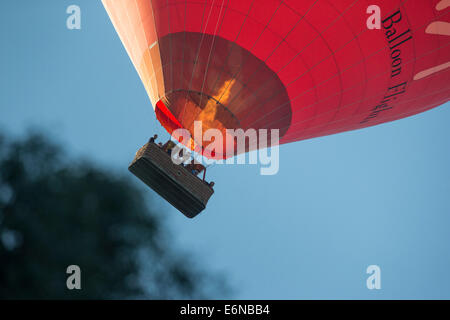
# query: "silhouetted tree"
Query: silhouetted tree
{"points": [[55, 213]]}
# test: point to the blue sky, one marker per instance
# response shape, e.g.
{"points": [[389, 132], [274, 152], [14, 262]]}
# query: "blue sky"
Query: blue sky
{"points": [[338, 204]]}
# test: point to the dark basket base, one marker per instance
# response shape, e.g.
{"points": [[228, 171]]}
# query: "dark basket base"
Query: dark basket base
{"points": [[186, 192]]}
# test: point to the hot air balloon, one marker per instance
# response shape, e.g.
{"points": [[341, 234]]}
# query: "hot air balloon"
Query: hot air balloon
{"points": [[308, 68]]}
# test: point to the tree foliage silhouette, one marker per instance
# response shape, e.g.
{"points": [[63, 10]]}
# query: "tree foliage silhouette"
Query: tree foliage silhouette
{"points": [[56, 212]]}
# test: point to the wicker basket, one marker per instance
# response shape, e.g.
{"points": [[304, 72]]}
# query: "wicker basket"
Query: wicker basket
{"points": [[185, 191]]}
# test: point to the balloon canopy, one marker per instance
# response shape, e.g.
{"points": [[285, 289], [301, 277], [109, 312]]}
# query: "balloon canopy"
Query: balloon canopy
{"points": [[308, 68]]}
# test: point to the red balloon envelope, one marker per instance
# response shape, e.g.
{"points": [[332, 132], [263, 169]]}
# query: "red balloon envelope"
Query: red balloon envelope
{"points": [[308, 68]]}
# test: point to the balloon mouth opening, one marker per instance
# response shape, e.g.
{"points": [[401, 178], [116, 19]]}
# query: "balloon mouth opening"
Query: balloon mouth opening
{"points": [[198, 113], [206, 78]]}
